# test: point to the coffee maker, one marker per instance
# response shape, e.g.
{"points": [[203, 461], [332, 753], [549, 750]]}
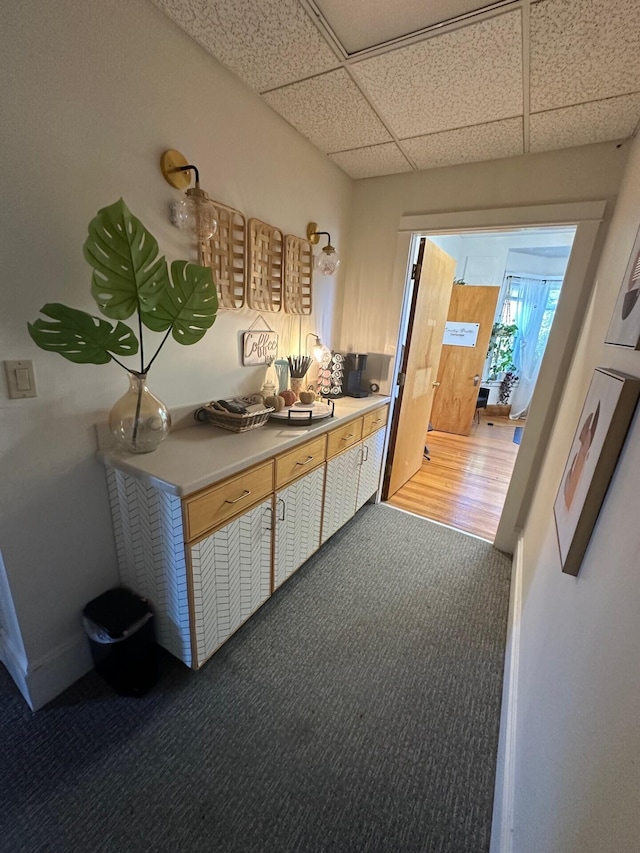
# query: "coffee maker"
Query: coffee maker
{"points": [[355, 363]]}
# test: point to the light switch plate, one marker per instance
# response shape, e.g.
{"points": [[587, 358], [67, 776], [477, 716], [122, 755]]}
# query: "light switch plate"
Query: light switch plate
{"points": [[21, 380]]}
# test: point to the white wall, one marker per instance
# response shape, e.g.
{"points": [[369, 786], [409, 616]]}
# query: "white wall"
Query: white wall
{"points": [[576, 786], [373, 298], [484, 258], [93, 93]]}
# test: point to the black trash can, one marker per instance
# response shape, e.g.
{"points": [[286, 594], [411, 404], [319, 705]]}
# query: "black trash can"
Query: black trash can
{"points": [[120, 628]]}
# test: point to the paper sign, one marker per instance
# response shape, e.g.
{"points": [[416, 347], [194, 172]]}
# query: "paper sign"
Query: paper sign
{"points": [[461, 334], [259, 347]]}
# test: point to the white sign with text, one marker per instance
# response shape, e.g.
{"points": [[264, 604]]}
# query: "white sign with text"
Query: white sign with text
{"points": [[259, 347], [461, 334]]}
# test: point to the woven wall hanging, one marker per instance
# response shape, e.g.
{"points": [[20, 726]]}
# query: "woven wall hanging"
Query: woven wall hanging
{"points": [[265, 267], [298, 275]]}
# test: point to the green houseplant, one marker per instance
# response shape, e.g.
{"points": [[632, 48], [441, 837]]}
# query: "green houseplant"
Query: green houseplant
{"points": [[500, 350], [129, 278]]}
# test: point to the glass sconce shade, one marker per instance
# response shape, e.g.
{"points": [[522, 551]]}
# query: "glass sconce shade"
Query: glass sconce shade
{"points": [[197, 214], [327, 261]]}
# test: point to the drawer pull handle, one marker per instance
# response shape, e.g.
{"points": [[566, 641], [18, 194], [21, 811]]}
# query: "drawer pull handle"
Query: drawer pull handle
{"points": [[377, 421], [306, 461], [347, 437], [245, 494]]}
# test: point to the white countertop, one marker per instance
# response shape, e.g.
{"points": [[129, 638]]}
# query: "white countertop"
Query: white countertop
{"points": [[197, 456]]}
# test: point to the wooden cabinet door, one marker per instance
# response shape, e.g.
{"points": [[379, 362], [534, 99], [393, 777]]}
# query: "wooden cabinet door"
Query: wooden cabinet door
{"points": [[341, 490], [370, 467], [231, 578], [298, 514]]}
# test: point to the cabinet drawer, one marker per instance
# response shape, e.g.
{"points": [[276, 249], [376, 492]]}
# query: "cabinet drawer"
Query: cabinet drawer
{"points": [[300, 461], [343, 437], [210, 508], [375, 420]]}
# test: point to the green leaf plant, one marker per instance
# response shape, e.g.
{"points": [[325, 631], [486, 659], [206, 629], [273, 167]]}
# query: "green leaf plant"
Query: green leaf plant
{"points": [[128, 278]]}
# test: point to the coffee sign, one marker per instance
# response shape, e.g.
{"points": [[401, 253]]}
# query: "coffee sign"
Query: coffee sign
{"points": [[259, 347]]}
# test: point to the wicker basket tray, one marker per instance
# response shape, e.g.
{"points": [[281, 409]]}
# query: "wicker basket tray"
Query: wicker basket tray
{"points": [[230, 421]]}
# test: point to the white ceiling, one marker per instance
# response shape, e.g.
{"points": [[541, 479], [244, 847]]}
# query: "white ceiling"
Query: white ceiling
{"points": [[384, 87]]}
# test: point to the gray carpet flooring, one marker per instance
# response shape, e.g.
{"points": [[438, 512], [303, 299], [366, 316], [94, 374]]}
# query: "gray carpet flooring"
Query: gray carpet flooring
{"points": [[358, 710]]}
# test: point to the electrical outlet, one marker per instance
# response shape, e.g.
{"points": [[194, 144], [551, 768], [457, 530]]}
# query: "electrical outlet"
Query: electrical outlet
{"points": [[21, 380]]}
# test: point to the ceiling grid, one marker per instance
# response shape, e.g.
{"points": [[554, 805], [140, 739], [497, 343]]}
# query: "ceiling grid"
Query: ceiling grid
{"points": [[385, 88]]}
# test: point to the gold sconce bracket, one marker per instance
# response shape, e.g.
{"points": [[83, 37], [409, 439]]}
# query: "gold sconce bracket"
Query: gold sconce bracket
{"points": [[171, 163], [312, 233]]}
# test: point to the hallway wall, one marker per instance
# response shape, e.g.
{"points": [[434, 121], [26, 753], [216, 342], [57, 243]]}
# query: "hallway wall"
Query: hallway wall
{"points": [[577, 746]]}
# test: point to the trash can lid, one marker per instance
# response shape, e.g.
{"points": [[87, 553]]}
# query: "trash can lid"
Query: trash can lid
{"points": [[116, 610]]}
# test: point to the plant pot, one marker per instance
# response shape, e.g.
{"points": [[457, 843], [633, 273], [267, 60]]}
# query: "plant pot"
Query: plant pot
{"points": [[139, 421]]}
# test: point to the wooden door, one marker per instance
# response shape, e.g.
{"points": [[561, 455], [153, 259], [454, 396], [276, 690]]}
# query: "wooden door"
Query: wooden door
{"points": [[460, 370], [427, 317]]}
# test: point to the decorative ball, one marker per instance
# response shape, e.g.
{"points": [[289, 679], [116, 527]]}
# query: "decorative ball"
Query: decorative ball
{"points": [[276, 403], [288, 396]]}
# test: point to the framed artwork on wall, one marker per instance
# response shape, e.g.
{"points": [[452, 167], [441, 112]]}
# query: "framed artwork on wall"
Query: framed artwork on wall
{"points": [[624, 329], [598, 441]]}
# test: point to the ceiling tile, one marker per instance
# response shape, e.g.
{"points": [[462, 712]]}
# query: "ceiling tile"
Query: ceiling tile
{"points": [[483, 142], [599, 121], [364, 23], [583, 50], [386, 159], [267, 44], [466, 77], [330, 111]]}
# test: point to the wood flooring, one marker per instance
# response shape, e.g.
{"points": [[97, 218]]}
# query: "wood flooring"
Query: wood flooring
{"points": [[465, 483]]}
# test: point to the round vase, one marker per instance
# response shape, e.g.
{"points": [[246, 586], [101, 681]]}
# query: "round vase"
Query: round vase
{"points": [[139, 421]]}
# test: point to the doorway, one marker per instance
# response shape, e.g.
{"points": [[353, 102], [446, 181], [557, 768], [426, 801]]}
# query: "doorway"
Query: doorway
{"points": [[568, 318]]}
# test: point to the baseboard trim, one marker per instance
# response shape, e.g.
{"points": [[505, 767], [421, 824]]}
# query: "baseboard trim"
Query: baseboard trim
{"points": [[504, 794], [42, 680], [14, 662]]}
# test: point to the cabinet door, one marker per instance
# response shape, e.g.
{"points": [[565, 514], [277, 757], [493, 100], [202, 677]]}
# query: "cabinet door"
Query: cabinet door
{"points": [[341, 490], [298, 512], [370, 465], [231, 578]]}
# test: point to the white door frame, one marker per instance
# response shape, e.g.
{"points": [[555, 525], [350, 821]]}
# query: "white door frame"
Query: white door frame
{"points": [[576, 288]]}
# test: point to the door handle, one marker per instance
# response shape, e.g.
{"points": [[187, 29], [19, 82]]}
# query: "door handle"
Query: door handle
{"points": [[436, 384], [476, 379], [284, 509]]}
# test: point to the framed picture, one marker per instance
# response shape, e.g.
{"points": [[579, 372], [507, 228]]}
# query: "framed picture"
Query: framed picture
{"points": [[603, 425], [624, 329]]}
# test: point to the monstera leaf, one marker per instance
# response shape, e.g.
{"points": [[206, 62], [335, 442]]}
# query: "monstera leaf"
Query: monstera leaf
{"points": [[187, 305], [127, 275], [80, 337]]}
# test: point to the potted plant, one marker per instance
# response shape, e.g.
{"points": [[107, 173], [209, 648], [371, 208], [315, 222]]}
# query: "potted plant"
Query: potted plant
{"points": [[129, 278], [500, 352]]}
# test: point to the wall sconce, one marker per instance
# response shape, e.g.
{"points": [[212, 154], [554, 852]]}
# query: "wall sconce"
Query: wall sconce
{"points": [[196, 213], [327, 261], [320, 352]]}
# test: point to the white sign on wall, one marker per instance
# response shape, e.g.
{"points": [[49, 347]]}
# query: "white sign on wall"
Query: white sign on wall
{"points": [[259, 347], [461, 334]]}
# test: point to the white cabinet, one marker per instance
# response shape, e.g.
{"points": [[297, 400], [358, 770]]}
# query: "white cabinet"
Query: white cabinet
{"points": [[341, 490], [298, 513], [231, 578], [208, 560], [352, 478], [370, 466]]}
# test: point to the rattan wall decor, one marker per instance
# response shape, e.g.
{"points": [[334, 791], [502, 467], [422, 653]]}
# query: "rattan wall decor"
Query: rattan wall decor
{"points": [[265, 267], [225, 253], [298, 275]]}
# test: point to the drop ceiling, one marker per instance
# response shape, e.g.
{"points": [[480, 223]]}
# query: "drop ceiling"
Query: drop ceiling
{"points": [[383, 88]]}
